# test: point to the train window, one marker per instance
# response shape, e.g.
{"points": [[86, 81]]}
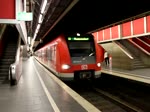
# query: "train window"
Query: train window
{"points": [[54, 53], [81, 48], [49, 53]]}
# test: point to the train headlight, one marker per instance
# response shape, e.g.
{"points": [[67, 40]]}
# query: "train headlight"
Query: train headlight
{"points": [[65, 66], [98, 64]]}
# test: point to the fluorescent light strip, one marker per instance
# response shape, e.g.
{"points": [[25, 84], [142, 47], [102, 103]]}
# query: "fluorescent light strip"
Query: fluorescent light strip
{"points": [[34, 36], [29, 40], [25, 3], [38, 26], [40, 18], [36, 31], [43, 6]]}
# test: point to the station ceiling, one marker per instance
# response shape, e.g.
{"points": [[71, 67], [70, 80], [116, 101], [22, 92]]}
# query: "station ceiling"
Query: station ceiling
{"points": [[83, 16]]}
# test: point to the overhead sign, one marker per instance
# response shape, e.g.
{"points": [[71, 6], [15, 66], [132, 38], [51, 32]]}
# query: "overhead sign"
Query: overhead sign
{"points": [[25, 16], [78, 38]]}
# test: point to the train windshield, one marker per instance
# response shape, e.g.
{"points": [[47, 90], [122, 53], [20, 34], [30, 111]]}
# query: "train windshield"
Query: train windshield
{"points": [[81, 48]]}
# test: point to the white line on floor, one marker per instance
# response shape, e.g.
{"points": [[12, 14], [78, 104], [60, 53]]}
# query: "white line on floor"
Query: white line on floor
{"points": [[52, 102]]}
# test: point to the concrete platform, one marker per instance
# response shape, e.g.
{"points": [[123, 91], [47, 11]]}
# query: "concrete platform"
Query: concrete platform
{"points": [[141, 75], [40, 91]]}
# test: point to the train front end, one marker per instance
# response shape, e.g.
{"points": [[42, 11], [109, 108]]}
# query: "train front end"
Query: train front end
{"points": [[85, 57]]}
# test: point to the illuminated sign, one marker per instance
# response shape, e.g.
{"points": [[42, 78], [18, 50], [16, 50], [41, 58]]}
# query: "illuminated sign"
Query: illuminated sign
{"points": [[25, 16], [78, 38]]}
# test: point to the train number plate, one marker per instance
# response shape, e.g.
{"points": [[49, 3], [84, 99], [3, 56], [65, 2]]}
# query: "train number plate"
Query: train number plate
{"points": [[84, 67]]}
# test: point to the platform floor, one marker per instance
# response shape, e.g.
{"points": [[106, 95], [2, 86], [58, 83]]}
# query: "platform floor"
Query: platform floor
{"points": [[40, 91], [141, 75]]}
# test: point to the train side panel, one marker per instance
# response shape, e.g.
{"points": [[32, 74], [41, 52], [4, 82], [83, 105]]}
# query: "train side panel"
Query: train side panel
{"points": [[53, 57], [100, 53], [63, 57], [49, 56]]}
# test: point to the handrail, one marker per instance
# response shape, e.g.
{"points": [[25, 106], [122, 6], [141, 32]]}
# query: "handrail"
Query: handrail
{"points": [[125, 50], [145, 39], [143, 42], [14, 67], [146, 52]]}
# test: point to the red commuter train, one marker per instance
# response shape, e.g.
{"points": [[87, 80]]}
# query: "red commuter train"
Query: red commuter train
{"points": [[72, 57]]}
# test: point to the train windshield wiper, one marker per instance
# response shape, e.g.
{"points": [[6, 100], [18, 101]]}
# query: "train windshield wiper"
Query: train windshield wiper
{"points": [[91, 54]]}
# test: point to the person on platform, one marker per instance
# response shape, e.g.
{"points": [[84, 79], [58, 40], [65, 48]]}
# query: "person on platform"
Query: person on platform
{"points": [[106, 57]]}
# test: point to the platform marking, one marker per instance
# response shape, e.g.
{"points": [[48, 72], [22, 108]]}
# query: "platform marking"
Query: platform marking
{"points": [[83, 102], [52, 102]]}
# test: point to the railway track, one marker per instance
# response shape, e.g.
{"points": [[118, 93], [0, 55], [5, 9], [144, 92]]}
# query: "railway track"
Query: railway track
{"points": [[101, 101], [125, 105], [133, 92], [112, 98]]}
